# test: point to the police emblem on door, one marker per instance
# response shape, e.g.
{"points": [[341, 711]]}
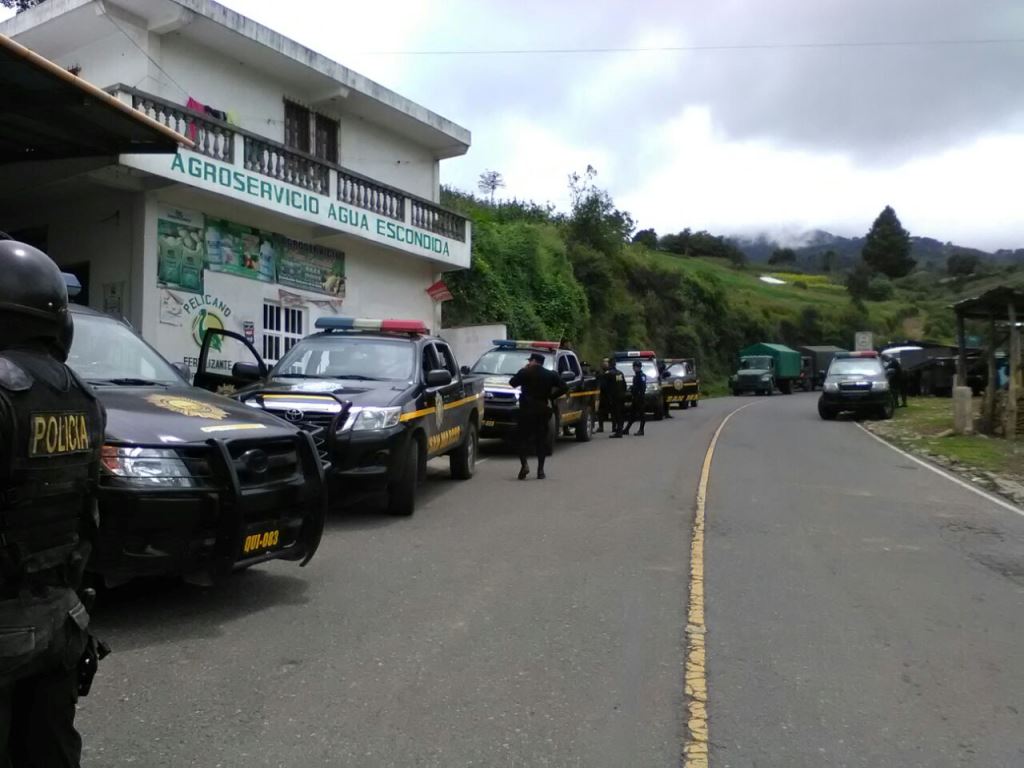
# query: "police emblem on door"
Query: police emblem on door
{"points": [[438, 410]]}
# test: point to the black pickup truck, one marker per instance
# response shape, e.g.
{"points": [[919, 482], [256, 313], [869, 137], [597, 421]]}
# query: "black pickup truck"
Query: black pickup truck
{"points": [[574, 413], [680, 385], [192, 484], [384, 395]]}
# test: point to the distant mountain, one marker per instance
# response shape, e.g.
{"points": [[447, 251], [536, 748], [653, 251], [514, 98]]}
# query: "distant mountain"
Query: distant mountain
{"points": [[810, 246]]}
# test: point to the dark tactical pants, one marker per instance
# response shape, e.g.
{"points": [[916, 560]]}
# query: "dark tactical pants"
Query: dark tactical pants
{"points": [[39, 680], [37, 721], [533, 434], [637, 412]]}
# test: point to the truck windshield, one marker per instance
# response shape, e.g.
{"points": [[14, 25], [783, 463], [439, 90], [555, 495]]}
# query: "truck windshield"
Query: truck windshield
{"points": [[507, 362], [331, 356], [647, 366], [106, 351], [855, 368], [755, 363]]}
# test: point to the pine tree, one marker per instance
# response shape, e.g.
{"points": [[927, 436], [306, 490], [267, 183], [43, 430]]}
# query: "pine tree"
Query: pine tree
{"points": [[887, 246]]}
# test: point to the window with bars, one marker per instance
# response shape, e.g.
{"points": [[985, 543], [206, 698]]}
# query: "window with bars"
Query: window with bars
{"points": [[310, 132], [282, 327]]}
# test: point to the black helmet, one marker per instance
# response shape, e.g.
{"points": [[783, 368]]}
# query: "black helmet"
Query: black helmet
{"points": [[33, 299]]}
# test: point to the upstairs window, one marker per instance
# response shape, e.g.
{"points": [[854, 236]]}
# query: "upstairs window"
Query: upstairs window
{"points": [[309, 132]]}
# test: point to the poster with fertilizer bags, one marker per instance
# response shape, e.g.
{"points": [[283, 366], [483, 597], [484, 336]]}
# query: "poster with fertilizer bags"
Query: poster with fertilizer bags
{"points": [[181, 253], [241, 250]]}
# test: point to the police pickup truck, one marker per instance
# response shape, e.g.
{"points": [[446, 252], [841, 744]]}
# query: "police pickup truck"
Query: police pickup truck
{"points": [[192, 484], [680, 385], [574, 412], [387, 396], [653, 401]]}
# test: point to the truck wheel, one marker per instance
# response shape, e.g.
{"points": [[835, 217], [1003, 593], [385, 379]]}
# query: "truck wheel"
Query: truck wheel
{"points": [[786, 387], [887, 411], [402, 490], [585, 427], [463, 459], [659, 411], [685, 404], [694, 403], [826, 413], [771, 389]]}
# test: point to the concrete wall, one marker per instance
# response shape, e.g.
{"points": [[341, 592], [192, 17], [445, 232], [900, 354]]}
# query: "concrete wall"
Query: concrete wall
{"points": [[471, 341], [372, 151]]}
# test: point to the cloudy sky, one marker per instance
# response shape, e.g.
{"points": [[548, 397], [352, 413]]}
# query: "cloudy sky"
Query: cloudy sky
{"points": [[774, 116]]}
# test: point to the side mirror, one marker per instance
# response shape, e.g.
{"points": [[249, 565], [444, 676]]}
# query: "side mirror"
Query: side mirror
{"points": [[184, 370], [465, 370], [247, 371], [439, 377], [568, 376]]}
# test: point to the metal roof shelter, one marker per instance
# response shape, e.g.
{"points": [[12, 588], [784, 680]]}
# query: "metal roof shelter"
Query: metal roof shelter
{"points": [[1003, 308], [47, 113]]}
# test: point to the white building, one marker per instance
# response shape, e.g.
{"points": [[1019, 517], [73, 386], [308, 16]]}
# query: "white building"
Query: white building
{"points": [[311, 190]]}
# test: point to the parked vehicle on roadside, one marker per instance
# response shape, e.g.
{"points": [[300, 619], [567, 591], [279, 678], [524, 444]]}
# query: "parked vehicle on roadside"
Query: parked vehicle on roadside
{"points": [[818, 360], [573, 414], [387, 395], [680, 385], [763, 368], [654, 403], [856, 382], [192, 484]]}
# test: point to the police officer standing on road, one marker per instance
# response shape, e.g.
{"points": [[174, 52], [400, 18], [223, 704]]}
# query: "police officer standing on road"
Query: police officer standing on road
{"points": [[897, 381], [538, 387], [638, 393], [51, 433], [612, 393]]}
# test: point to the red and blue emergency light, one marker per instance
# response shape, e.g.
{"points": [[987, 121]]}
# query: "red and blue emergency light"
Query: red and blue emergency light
{"points": [[548, 346], [369, 324], [861, 353], [646, 354]]}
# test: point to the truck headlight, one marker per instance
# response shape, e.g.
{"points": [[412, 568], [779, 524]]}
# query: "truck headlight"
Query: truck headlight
{"points": [[149, 467], [766, 377], [880, 386], [653, 386], [366, 419], [831, 386]]}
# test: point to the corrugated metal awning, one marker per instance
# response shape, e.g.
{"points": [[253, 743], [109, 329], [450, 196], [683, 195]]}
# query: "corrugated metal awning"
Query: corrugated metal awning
{"points": [[47, 113]]}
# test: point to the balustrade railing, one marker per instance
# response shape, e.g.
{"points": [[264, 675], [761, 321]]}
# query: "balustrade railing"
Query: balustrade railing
{"points": [[209, 138], [272, 159], [438, 220], [363, 193]]}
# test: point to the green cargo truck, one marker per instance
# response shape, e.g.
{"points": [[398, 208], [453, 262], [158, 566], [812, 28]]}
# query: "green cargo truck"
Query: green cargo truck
{"points": [[765, 367]]}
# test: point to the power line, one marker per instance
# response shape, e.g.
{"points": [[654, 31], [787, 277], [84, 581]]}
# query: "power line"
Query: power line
{"points": [[698, 48]]}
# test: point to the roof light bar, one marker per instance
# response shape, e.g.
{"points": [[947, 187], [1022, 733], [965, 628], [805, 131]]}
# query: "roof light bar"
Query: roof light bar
{"points": [[549, 346], [369, 324], [862, 353], [643, 353], [72, 283]]}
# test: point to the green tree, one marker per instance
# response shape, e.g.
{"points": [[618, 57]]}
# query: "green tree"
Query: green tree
{"points": [[595, 220], [962, 264], [829, 261], [677, 243], [859, 281], [887, 246], [782, 256], [647, 238]]}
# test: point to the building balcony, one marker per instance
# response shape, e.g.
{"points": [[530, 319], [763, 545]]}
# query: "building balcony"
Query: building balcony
{"points": [[233, 161]]}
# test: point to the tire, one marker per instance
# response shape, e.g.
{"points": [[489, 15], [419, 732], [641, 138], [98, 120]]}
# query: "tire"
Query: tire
{"points": [[402, 490], [585, 428], [735, 393], [684, 405], [659, 411], [826, 413], [886, 411], [786, 387], [694, 403], [463, 459], [771, 389]]}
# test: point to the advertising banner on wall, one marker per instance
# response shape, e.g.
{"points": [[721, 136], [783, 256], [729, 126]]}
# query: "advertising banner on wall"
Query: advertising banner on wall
{"points": [[311, 267], [240, 250], [181, 250]]}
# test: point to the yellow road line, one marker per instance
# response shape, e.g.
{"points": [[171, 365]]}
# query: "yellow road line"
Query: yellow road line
{"points": [[695, 751]]}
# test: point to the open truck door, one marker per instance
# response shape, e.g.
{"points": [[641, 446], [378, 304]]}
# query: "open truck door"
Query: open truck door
{"points": [[240, 374]]}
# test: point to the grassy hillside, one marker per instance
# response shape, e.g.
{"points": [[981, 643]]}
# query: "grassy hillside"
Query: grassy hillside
{"points": [[550, 275]]}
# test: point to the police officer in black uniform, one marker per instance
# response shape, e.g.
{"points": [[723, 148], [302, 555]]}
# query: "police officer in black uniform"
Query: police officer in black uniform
{"points": [[612, 394], [51, 434], [538, 387], [897, 381], [638, 393]]}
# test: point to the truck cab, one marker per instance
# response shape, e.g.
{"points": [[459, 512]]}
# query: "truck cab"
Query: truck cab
{"points": [[192, 484], [756, 373], [573, 413], [384, 395]]}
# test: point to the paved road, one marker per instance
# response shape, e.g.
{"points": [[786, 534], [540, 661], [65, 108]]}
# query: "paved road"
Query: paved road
{"points": [[505, 624], [865, 617]]}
